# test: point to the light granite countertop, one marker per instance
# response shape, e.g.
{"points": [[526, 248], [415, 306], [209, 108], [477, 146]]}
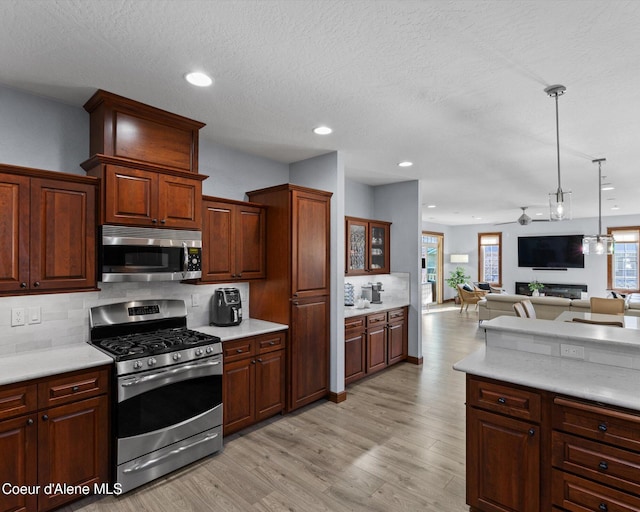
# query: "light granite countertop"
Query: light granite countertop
{"points": [[35, 364], [248, 327], [350, 311], [593, 362]]}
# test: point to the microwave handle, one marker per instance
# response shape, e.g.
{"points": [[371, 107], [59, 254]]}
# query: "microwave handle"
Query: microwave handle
{"points": [[185, 260]]}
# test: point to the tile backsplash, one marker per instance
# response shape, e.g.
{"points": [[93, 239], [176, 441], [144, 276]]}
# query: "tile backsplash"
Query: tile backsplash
{"points": [[395, 285], [65, 316]]}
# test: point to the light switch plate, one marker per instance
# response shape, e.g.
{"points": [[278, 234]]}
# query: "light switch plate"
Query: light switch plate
{"points": [[34, 315]]}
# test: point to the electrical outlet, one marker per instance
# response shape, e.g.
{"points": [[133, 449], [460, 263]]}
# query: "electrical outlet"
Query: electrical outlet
{"points": [[572, 351], [34, 315], [195, 300], [17, 316]]}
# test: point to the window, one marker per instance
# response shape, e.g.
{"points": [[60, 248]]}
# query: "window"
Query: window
{"points": [[490, 258], [622, 267]]}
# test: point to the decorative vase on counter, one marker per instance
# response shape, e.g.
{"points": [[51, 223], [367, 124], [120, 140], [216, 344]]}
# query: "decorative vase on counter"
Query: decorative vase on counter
{"points": [[535, 293]]}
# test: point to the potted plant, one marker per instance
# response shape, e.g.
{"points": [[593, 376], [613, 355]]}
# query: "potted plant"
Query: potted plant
{"points": [[455, 278], [535, 287]]}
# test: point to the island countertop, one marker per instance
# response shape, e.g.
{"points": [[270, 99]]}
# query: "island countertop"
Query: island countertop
{"points": [[604, 367]]}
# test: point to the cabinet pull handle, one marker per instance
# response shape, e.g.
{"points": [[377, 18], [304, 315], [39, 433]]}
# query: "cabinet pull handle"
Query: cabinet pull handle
{"points": [[603, 465], [502, 400], [23, 285], [532, 432], [36, 284], [45, 417], [29, 421], [603, 507], [75, 389], [602, 427]]}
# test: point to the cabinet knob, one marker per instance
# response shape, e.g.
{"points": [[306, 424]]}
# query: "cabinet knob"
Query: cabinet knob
{"points": [[502, 400], [602, 427], [253, 361], [23, 285], [36, 284], [532, 432], [603, 465], [154, 221], [259, 360], [29, 421], [163, 221], [239, 351], [75, 389], [272, 343], [45, 417], [295, 294], [603, 507], [240, 274]]}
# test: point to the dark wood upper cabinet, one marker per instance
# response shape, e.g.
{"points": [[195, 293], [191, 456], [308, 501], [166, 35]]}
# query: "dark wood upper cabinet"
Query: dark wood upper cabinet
{"points": [[125, 128], [48, 231], [233, 240], [368, 244], [147, 159]]}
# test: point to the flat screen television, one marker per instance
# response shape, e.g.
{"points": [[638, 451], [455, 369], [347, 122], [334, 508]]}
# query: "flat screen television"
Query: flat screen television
{"points": [[553, 251]]}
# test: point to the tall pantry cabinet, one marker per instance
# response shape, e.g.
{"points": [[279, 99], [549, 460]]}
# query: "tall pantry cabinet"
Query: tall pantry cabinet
{"points": [[296, 290]]}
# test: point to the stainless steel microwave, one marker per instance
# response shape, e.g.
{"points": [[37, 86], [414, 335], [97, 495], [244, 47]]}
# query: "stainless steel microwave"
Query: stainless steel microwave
{"points": [[149, 254]]}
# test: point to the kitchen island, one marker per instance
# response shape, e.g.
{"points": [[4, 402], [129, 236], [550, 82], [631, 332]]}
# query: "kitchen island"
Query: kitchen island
{"points": [[553, 417]]}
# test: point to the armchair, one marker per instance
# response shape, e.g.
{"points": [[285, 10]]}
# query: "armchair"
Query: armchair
{"points": [[469, 297]]}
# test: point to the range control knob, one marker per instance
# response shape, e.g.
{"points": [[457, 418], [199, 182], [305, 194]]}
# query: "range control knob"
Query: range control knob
{"points": [[137, 365], [209, 350], [199, 352], [151, 361], [177, 356]]}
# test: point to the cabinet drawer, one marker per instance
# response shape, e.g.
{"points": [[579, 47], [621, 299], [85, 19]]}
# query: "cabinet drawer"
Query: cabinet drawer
{"points": [[71, 387], [17, 399], [520, 403], [396, 314], [270, 342], [575, 493], [354, 323], [237, 349], [595, 422], [376, 319], [606, 464]]}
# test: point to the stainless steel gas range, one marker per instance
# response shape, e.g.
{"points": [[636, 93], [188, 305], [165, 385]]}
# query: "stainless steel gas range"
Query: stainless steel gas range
{"points": [[168, 388]]}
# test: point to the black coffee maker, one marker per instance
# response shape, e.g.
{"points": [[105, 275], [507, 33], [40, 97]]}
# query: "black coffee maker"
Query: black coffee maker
{"points": [[226, 307]]}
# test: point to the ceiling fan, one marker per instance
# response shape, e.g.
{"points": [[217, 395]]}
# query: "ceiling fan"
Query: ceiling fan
{"points": [[524, 219]]}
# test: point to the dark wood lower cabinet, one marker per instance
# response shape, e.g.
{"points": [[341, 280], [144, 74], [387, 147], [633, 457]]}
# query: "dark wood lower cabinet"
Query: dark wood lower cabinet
{"points": [[253, 380], [533, 450], [374, 342], [64, 444]]}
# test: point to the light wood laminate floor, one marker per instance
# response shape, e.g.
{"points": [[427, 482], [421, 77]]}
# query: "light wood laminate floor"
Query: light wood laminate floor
{"points": [[396, 444]]}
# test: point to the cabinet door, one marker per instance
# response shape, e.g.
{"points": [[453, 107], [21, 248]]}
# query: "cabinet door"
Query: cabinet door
{"points": [[218, 242], [379, 261], [357, 247], [310, 244], [354, 355], [269, 391], [250, 242], [503, 463], [397, 340], [179, 202], [73, 447], [131, 196], [309, 351], [238, 390], [376, 348], [19, 461], [14, 232], [63, 235]]}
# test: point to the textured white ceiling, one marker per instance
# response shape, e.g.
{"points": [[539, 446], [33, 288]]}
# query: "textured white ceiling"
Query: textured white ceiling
{"points": [[455, 86]]}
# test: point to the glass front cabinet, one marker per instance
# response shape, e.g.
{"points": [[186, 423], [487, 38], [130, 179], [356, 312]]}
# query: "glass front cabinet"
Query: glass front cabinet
{"points": [[367, 246]]}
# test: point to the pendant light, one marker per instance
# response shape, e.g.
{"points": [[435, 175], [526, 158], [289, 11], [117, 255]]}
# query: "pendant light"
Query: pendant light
{"points": [[559, 201], [600, 243]]}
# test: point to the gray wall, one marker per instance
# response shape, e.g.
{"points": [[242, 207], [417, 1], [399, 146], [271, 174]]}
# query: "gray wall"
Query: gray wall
{"points": [[42, 133], [359, 200]]}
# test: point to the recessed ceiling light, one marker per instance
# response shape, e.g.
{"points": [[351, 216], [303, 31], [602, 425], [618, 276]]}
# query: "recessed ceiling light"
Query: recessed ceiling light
{"points": [[198, 79], [406, 163], [431, 206], [322, 130]]}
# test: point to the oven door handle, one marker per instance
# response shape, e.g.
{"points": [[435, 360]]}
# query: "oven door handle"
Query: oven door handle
{"points": [[153, 462], [168, 373]]}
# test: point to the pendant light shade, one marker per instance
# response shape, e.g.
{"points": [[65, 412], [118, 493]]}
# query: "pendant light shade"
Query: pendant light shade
{"points": [[600, 243], [559, 201]]}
